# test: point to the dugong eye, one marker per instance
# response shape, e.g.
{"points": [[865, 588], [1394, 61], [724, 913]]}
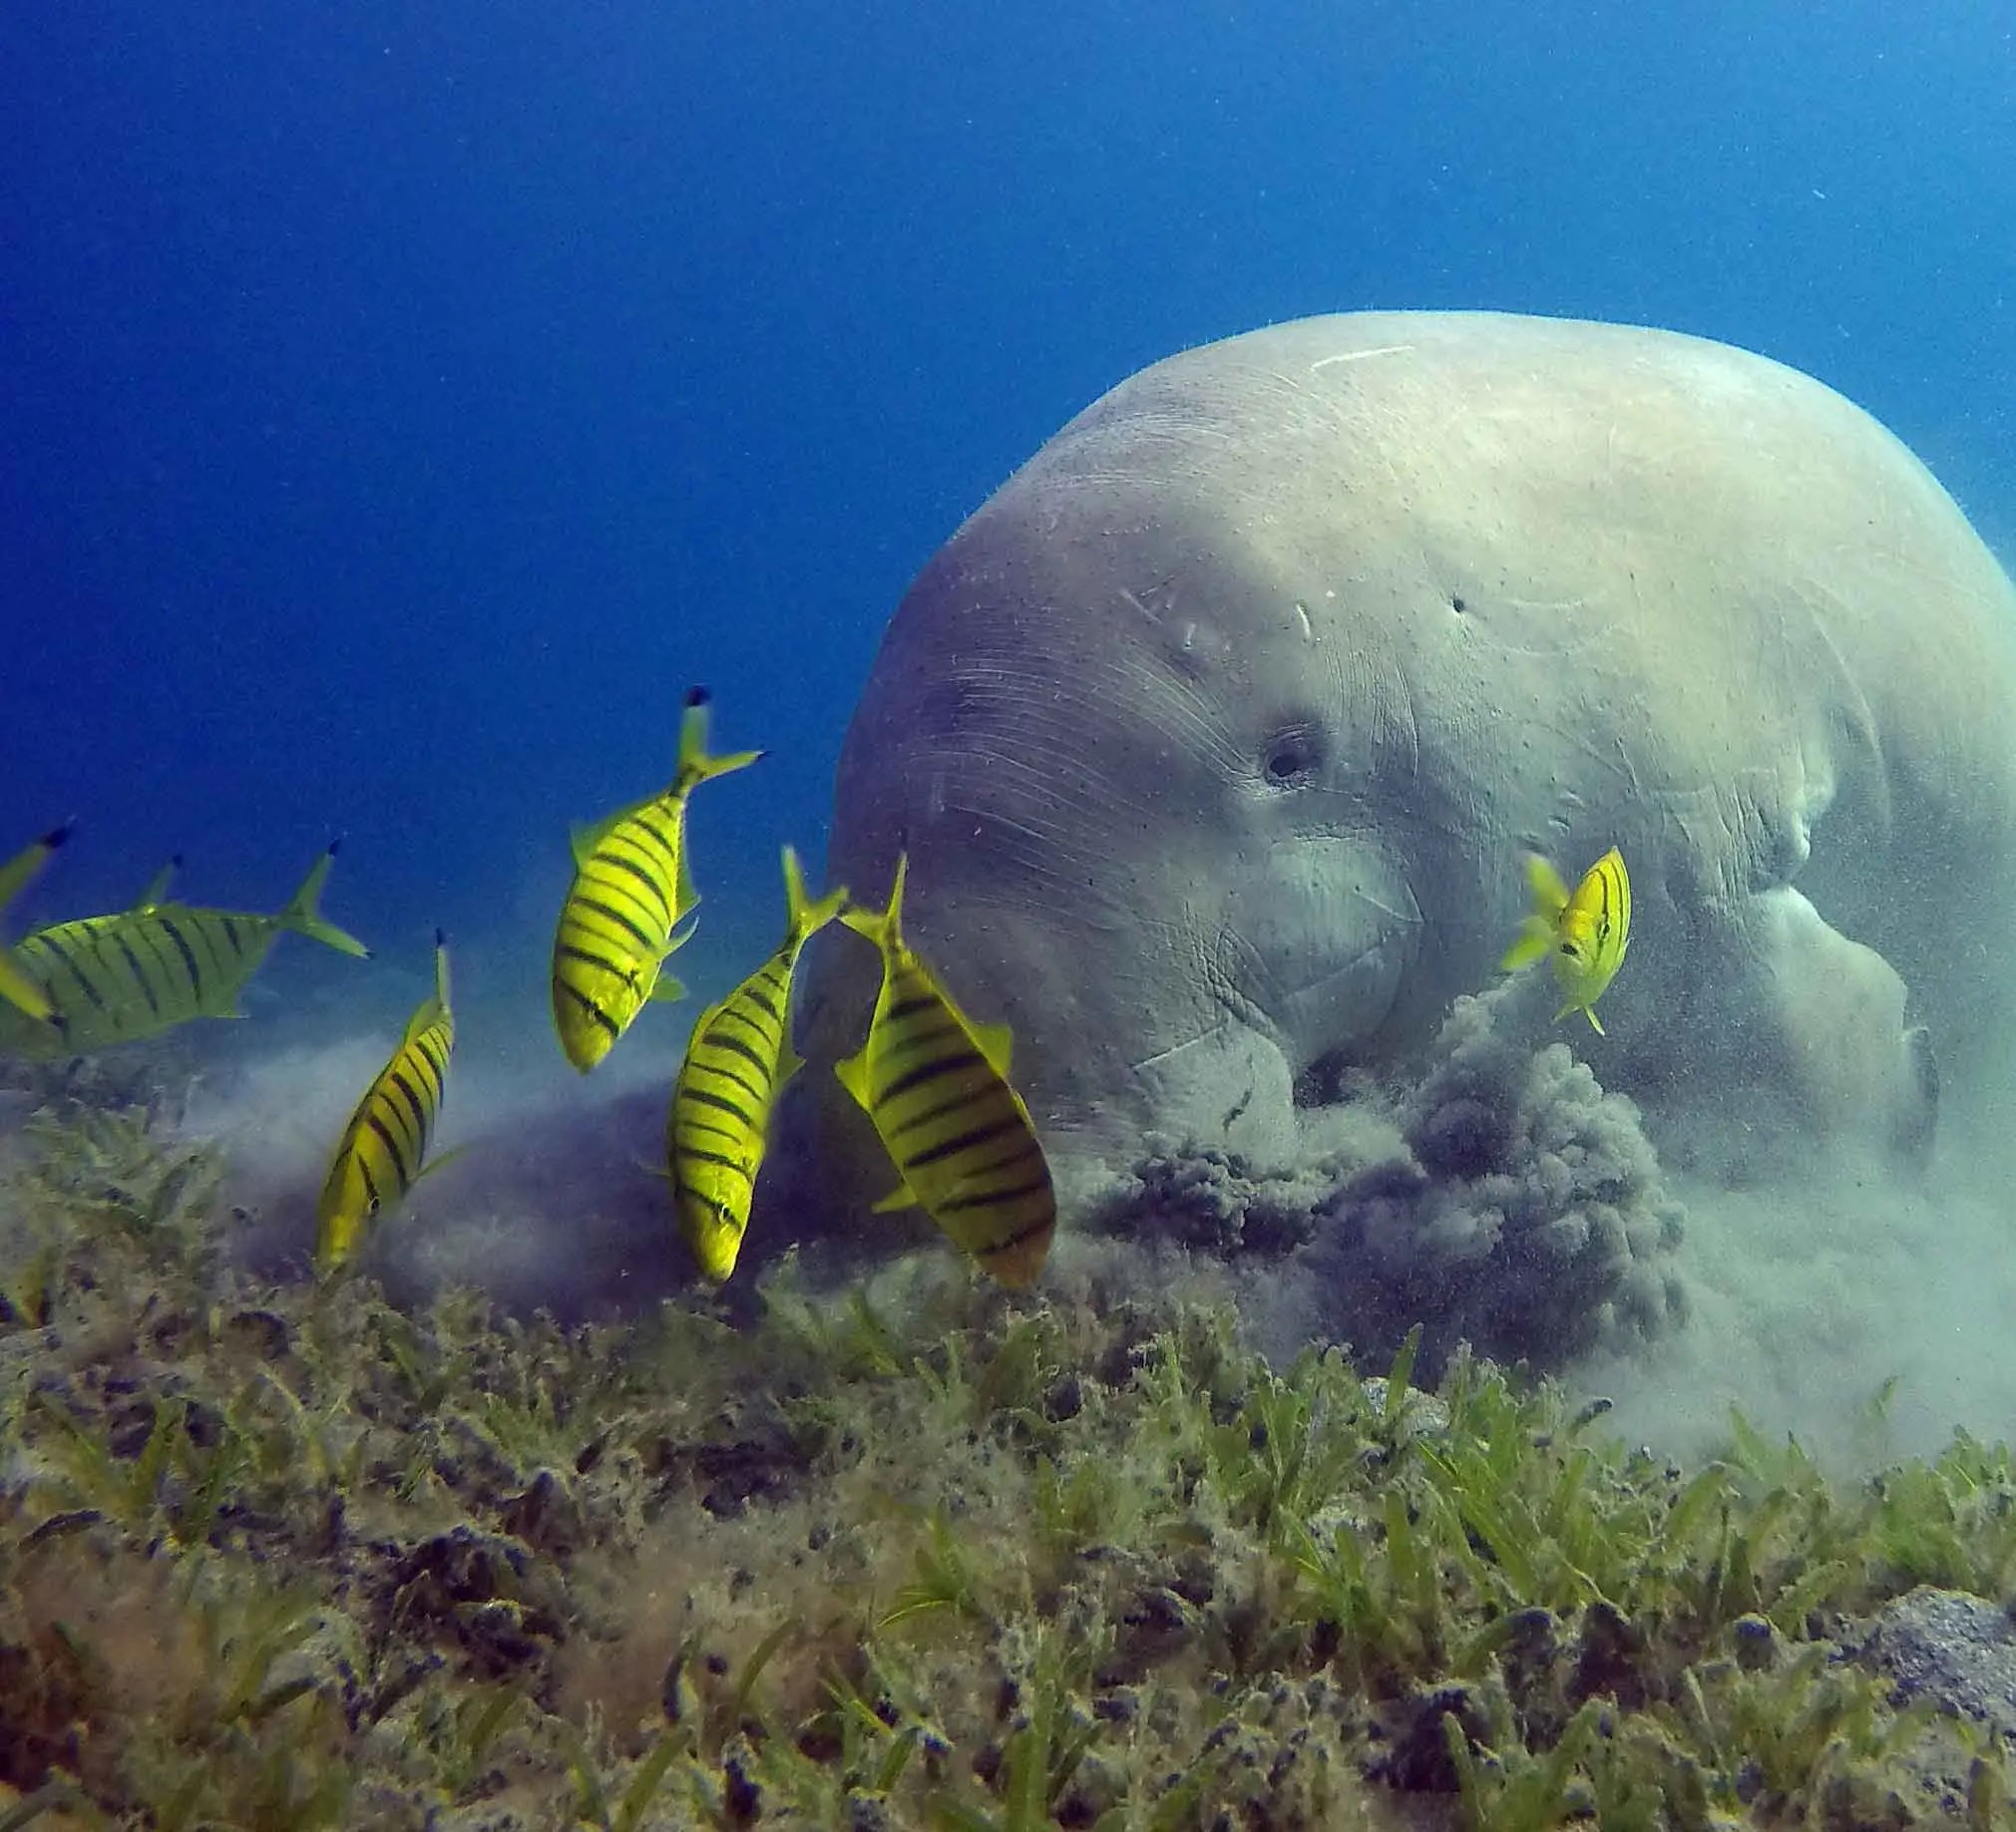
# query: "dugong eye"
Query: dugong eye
{"points": [[1291, 757]]}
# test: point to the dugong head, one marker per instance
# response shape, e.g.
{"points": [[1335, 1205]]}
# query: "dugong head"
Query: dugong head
{"points": [[1147, 794]]}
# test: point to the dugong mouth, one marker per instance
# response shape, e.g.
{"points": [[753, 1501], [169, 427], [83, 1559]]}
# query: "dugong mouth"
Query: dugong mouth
{"points": [[1316, 1016]]}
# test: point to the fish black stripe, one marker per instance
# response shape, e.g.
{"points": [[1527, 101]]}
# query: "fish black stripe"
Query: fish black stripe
{"points": [[917, 1033], [702, 1098], [719, 1039], [763, 1001], [140, 974], [230, 924], [206, 939], [989, 1199], [433, 1044], [419, 1060], [923, 1073], [1042, 1224], [661, 819], [726, 1164], [768, 1035], [370, 1182], [913, 1003], [964, 1141], [400, 1169], [594, 1011], [170, 928], [691, 1125], [157, 947], [59, 948], [644, 875], [755, 1090], [620, 920], [605, 963], [963, 1098], [414, 1106]]}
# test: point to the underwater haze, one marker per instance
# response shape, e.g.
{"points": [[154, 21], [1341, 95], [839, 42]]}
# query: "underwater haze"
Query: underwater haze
{"points": [[404, 405]]}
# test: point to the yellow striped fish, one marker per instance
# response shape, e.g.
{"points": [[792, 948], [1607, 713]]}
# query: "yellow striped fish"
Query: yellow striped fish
{"points": [[116, 978], [936, 1086], [18, 987], [632, 889], [739, 1056], [384, 1146], [1585, 932]]}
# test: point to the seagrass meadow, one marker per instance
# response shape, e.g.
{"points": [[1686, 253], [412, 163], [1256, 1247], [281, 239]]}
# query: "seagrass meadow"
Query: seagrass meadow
{"points": [[910, 1554]]}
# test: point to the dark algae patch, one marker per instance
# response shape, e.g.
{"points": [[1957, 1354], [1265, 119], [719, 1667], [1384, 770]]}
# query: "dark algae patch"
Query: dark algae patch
{"points": [[919, 1555]]}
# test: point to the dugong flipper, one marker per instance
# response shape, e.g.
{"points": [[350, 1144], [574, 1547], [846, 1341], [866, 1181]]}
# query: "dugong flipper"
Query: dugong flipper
{"points": [[1216, 735]]}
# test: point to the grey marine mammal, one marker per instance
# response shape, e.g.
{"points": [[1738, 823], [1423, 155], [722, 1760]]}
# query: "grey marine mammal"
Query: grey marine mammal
{"points": [[1215, 736]]}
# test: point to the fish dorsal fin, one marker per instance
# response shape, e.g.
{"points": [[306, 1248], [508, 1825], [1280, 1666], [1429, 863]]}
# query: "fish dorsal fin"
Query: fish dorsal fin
{"points": [[156, 886], [996, 1043]]}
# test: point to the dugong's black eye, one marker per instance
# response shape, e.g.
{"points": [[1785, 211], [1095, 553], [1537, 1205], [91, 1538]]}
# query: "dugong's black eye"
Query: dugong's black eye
{"points": [[1291, 757]]}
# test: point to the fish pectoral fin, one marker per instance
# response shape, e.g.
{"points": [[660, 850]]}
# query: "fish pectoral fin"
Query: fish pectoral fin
{"points": [[1595, 1024], [683, 933], [902, 1196], [1550, 895], [437, 1164], [996, 1043], [1537, 936], [669, 990]]}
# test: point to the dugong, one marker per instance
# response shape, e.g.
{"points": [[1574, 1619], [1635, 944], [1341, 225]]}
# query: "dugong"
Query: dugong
{"points": [[1216, 738]]}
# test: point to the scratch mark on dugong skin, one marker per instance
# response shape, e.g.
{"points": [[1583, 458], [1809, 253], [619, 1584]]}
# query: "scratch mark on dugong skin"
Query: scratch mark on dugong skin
{"points": [[1359, 356]]}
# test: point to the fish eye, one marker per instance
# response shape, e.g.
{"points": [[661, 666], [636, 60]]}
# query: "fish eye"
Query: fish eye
{"points": [[1292, 756], [1572, 950]]}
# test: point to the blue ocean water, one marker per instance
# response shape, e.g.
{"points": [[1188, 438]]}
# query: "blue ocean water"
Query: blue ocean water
{"points": [[399, 407]]}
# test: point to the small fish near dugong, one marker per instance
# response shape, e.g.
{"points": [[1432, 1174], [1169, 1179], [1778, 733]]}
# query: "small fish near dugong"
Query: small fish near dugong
{"points": [[1217, 738]]}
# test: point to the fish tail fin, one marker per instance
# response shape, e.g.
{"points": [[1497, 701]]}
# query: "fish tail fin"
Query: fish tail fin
{"points": [[804, 917], [696, 762], [20, 871], [882, 927], [303, 914], [18, 987]]}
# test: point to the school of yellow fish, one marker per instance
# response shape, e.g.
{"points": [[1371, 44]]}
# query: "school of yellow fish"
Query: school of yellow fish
{"points": [[933, 1082]]}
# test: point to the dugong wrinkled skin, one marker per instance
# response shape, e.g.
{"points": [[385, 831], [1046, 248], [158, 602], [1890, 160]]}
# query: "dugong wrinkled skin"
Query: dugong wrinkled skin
{"points": [[1216, 736]]}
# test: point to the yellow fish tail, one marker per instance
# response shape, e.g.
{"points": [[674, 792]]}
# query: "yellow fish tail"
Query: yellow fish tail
{"points": [[303, 913], [804, 919], [695, 764], [18, 987]]}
